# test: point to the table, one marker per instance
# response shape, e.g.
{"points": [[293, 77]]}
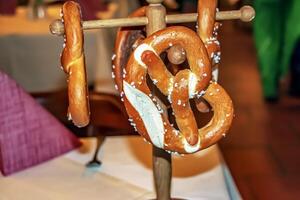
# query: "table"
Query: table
{"points": [[125, 174]]}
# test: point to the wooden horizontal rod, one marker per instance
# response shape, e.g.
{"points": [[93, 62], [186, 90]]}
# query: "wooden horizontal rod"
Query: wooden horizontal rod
{"points": [[110, 23], [246, 14]]}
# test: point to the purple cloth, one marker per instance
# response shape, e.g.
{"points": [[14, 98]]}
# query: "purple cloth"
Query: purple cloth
{"points": [[8, 7], [29, 134]]}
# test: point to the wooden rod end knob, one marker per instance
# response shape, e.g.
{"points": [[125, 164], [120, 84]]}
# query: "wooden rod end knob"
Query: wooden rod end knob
{"points": [[247, 13], [176, 54], [57, 27]]}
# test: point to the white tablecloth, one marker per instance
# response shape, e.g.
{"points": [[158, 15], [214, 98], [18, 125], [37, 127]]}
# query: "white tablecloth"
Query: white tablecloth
{"points": [[31, 55], [126, 170]]}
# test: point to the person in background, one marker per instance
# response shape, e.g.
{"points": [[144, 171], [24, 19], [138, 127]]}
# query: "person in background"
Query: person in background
{"points": [[276, 31], [277, 40]]}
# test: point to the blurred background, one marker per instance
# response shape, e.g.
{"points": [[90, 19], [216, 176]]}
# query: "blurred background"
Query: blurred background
{"points": [[260, 69]]}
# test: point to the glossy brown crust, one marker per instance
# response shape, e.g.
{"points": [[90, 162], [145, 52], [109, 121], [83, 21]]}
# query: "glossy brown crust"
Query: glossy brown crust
{"points": [[195, 50], [222, 106], [207, 31], [207, 27], [73, 63], [206, 18], [214, 94], [127, 39]]}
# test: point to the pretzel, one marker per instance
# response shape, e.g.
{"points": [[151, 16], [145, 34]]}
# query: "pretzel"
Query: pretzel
{"points": [[73, 64], [207, 30], [147, 116], [126, 41]]}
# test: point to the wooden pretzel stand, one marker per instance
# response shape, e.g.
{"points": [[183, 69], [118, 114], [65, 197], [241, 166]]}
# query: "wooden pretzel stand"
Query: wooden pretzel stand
{"points": [[155, 19]]}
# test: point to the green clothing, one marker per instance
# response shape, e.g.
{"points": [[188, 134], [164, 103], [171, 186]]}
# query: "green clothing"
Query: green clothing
{"points": [[276, 31]]}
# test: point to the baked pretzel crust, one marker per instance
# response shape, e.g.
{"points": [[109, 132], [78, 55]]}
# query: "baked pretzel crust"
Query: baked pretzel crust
{"points": [[73, 64]]}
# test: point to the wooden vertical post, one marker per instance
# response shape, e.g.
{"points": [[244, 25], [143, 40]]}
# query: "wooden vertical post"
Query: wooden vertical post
{"points": [[162, 171], [156, 15], [162, 165]]}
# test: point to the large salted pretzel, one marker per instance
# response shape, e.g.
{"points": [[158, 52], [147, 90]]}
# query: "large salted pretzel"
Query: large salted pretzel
{"points": [[73, 63], [146, 114]]}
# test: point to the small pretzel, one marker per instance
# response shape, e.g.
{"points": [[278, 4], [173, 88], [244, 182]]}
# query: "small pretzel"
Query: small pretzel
{"points": [[187, 84], [207, 30], [73, 64]]}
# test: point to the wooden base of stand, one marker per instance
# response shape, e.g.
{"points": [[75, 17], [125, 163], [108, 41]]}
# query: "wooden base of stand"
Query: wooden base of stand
{"points": [[162, 171]]}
